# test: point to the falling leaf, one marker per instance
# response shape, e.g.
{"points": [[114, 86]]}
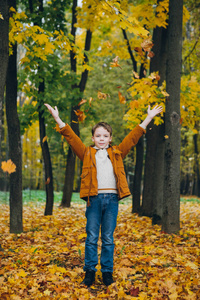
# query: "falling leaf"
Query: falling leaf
{"points": [[48, 180], [102, 95], [80, 114], [90, 100], [8, 166], [57, 128], [181, 120], [115, 62], [122, 99], [115, 150], [118, 87], [74, 121], [82, 102], [139, 51], [154, 76], [136, 75], [166, 137], [108, 44], [151, 54], [147, 45], [44, 139]]}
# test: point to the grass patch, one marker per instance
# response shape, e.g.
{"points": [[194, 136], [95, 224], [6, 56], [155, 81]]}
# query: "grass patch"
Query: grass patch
{"points": [[40, 197]]}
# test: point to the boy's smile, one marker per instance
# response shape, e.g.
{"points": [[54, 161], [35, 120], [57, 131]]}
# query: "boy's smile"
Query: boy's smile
{"points": [[101, 138]]}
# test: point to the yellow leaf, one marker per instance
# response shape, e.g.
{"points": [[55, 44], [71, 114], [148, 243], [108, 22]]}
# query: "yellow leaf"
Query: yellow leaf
{"points": [[115, 62], [166, 136], [44, 139], [136, 75], [195, 131], [8, 166], [191, 265], [47, 292], [83, 235], [102, 95], [22, 273], [57, 128]]}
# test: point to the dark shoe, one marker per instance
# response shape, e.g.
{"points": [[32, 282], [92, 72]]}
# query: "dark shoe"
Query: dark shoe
{"points": [[89, 278], [107, 278]]}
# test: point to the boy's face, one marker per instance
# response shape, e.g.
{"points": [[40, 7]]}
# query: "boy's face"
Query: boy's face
{"points": [[101, 137]]}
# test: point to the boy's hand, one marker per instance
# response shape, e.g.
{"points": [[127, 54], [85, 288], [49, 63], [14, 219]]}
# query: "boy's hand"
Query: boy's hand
{"points": [[54, 112], [155, 111]]}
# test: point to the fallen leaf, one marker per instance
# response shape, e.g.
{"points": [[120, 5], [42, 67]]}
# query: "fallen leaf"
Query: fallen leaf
{"points": [[134, 291]]}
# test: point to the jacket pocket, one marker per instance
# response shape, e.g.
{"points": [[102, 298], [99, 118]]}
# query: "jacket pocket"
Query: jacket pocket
{"points": [[85, 178], [122, 177]]}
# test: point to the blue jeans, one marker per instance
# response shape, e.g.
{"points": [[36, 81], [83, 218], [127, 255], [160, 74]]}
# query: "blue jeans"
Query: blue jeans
{"points": [[102, 211]]}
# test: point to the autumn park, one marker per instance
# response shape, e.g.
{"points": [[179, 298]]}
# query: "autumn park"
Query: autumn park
{"points": [[67, 65]]}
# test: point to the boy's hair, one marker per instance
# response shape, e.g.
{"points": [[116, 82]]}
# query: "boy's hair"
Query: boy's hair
{"points": [[104, 125]]}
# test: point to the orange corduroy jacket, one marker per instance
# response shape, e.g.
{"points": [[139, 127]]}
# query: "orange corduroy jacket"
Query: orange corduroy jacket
{"points": [[89, 185]]}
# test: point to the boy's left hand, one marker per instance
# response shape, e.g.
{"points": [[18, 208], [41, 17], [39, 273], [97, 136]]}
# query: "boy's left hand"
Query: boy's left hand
{"points": [[155, 111]]}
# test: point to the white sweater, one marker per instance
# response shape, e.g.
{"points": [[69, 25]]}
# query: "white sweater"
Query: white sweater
{"points": [[105, 174]]}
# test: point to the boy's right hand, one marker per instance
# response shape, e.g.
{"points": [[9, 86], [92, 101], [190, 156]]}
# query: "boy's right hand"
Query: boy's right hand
{"points": [[54, 112]]}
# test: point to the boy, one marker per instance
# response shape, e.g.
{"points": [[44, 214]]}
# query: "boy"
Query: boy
{"points": [[103, 184]]}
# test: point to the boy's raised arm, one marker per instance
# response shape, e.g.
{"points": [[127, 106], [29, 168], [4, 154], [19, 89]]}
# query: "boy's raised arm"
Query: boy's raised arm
{"points": [[55, 114], [151, 114], [77, 145]]}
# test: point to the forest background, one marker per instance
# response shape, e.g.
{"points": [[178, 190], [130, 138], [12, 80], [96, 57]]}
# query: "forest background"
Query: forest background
{"points": [[99, 60], [96, 61]]}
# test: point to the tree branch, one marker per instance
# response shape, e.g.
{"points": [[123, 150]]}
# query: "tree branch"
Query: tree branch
{"points": [[130, 51], [84, 74]]}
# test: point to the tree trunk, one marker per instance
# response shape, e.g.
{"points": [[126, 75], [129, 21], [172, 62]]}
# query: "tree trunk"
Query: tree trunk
{"points": [[136, 192], [43, 143], [71, 159], [4, 55], [171, 198], [152, 202], [15, 151], [136, 189], [70, 167], [196, 166], [46, 158]]}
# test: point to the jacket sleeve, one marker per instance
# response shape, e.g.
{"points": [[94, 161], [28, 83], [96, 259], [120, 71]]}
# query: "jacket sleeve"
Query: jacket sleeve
{"points": [[131, 140], [75, 142]]}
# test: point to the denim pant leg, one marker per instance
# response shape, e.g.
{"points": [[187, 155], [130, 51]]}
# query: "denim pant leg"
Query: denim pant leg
{"points": [[93, 215], [108, 225]]}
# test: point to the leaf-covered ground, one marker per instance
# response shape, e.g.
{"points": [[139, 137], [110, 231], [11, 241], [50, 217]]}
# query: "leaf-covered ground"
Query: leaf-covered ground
{"points": [[46, 261]]}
